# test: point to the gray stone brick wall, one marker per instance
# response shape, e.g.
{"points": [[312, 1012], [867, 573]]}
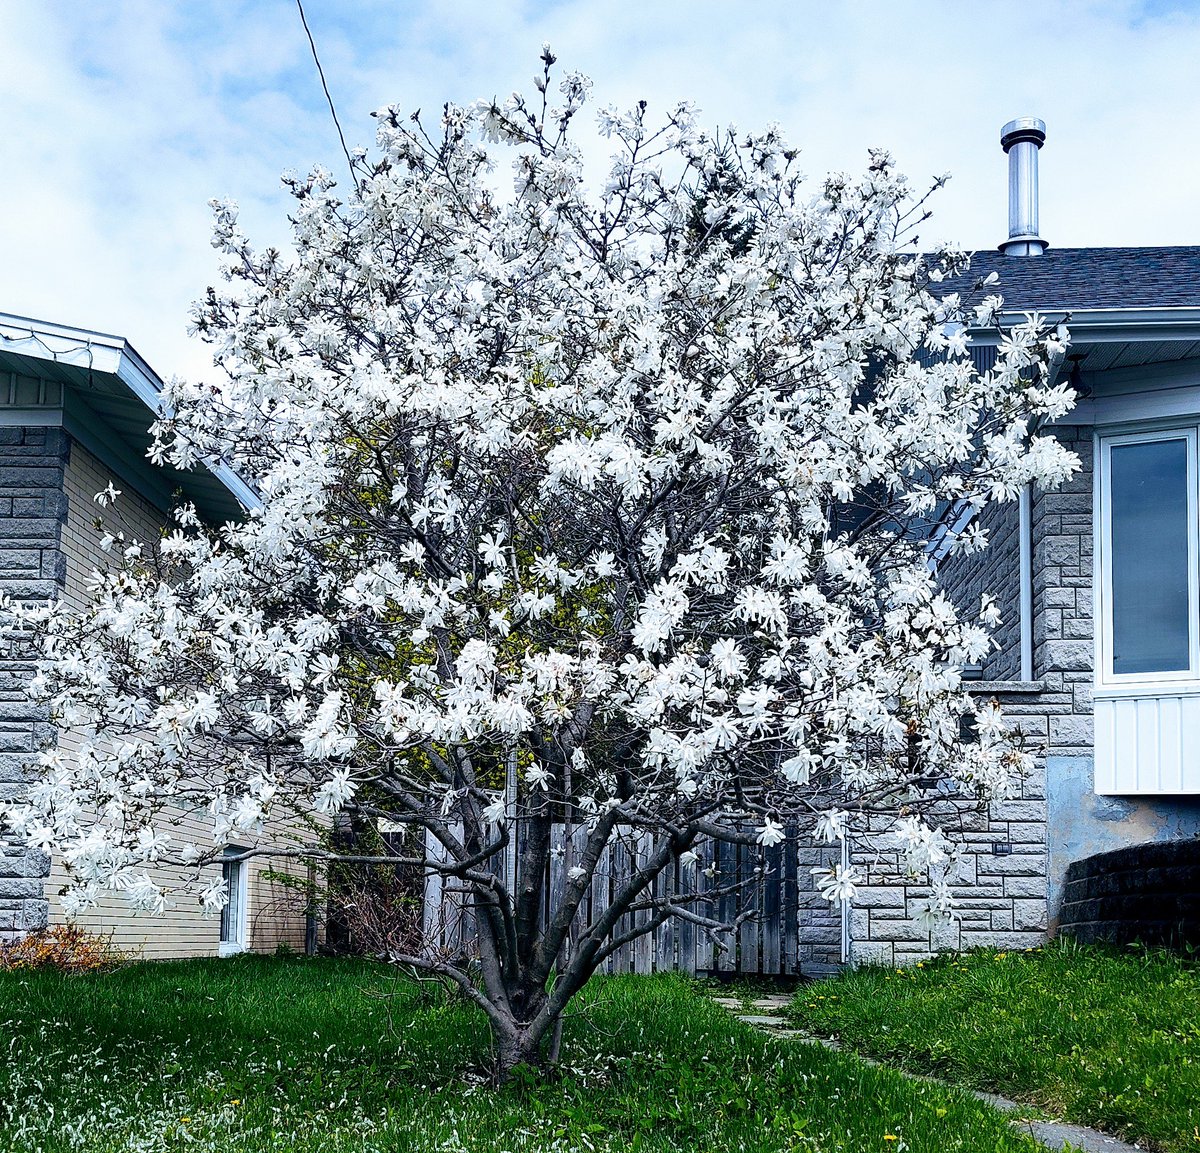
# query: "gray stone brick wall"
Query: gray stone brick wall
{"points": [[1062, 605], [820, 936], [32, 567], [1009, 876], [1001, 876], [998, 877]]}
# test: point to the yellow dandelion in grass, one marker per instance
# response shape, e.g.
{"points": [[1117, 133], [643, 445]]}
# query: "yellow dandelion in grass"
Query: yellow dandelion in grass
{"points": [[890, 1137], [236, 1101]]}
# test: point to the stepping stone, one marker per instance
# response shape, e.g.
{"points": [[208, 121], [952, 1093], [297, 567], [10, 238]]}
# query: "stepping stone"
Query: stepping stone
{"points": [[1054, 1135], [1058, 1135], [762, 1022], [771, 1003]]}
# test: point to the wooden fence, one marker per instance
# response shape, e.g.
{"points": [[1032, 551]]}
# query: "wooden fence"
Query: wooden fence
{"points": [[771, 897]]}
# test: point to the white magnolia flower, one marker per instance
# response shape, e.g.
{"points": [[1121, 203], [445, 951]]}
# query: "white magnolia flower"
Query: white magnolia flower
{"points": [[333, 794], [838, 883], [938, 908], [798, 769], [538, 777], [727, 658], [214, 896], [142, 893], [831, 826]]}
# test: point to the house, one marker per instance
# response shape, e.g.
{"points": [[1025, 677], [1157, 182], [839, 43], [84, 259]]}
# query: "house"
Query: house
{"points": [[75, 414], [1098, 658]]}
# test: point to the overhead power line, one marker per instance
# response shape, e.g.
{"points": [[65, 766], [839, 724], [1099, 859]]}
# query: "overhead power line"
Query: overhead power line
{"points": [[332, 110]]}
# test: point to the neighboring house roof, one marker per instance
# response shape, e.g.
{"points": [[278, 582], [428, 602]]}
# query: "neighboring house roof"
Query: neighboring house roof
{"points": [[106, 396], [1090, 279]]}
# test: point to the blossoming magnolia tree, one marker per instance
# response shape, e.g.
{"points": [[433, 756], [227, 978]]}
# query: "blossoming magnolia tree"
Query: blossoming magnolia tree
{"points": [[607, 507]]}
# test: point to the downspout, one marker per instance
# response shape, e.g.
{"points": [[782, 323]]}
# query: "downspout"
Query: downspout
{"points": [[1025, 539], [845, 952], [1025, 529], [510, 815]]}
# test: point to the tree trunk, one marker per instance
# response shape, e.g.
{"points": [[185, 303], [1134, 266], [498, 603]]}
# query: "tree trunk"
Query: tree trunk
{"points": [[522, 1044]]}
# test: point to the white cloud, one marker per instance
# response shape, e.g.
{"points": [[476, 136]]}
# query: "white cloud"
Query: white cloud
{"points": [[121, 120]]}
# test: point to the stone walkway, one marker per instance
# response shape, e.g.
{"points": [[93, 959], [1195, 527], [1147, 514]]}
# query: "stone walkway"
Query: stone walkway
{"points": [[766, 1013]]}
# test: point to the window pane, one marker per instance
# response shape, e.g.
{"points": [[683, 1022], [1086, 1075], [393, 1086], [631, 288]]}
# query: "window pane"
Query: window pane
{"points": [[1149, 557]]}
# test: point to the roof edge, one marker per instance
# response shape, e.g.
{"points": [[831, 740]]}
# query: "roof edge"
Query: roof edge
{"points": [[146, 385], [106, 352]]}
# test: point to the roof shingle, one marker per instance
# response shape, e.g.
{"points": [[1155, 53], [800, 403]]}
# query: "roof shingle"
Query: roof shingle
{"points": [[1075, 279]]}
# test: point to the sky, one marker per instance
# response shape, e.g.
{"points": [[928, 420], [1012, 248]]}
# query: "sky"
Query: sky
{"points": [[121, 119]]}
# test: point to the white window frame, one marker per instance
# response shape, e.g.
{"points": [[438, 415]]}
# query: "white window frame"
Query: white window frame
{"points": [[239, 891], [1188, 679]]}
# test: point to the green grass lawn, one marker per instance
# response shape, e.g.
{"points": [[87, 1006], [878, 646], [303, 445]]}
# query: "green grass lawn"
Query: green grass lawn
{"points": [[1101, 1037], [287, 1054]]}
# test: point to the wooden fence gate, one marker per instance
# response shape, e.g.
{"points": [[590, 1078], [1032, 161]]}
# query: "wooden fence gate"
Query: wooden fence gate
{"points": [[766, 942]]}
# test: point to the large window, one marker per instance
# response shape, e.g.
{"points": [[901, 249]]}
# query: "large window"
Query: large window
{"points": [[1148, 557], [1147, 692], [233, 915]]}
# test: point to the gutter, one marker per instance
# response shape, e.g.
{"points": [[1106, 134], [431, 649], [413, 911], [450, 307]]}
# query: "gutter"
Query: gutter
{"points": [[1102, 325]]}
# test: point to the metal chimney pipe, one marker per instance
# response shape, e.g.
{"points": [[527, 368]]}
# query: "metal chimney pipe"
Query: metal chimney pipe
{"points": [[1021, 139]]}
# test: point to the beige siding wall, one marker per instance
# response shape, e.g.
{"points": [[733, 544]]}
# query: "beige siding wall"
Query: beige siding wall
{"points": [[182, 931], [276, 907], [275, 911], [130, 514]]}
